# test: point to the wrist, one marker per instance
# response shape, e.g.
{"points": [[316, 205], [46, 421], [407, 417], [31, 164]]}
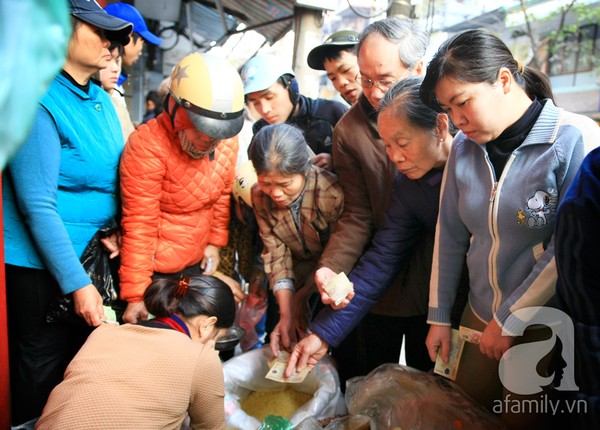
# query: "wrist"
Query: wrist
{"points": [[284, 284]]}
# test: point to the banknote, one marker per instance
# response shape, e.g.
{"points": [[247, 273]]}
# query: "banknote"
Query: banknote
{"points": [[111, 316], [469, 335], [450, 369], [338, 287], [277, 370]]}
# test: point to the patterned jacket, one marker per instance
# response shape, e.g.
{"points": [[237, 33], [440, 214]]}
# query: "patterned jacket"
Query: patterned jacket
{"points": [[173, 205], [285, 248]]}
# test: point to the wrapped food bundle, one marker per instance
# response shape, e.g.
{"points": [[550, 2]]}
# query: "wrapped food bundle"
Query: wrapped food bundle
{"points": [[396, 396], [245, 376]]}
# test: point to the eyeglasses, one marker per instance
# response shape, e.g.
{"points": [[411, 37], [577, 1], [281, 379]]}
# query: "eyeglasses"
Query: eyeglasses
{"points": [[382, 84]]}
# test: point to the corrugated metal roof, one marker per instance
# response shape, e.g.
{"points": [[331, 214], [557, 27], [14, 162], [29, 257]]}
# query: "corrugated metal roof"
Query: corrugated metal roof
{"points": [[212, 22]]}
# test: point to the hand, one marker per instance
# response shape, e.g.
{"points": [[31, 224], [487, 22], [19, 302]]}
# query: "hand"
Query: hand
{"points": [[238, 294], [211, 253], [307, 352], [88, 305], [283, 336], [439, 336], [112, 243], [135, 311], [324, 161], [322, 277], [492, 343]]}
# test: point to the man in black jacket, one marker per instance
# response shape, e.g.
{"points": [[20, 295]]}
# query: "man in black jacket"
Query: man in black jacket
{"points": [[273, 91]]}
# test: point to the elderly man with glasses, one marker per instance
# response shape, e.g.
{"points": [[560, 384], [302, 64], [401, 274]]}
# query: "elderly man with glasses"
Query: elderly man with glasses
{"points": [[388, 51]]}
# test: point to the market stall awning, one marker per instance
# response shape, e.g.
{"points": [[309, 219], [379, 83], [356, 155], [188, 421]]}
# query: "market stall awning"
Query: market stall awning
{"points": [[211, 23]]}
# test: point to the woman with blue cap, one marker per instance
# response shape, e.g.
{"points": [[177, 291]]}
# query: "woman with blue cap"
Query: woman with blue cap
{"points": [[58, 190]]}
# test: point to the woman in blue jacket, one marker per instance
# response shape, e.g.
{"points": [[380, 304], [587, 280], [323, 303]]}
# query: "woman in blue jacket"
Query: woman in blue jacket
{"points": [[418, 141], [58, 190], [509, 167]]}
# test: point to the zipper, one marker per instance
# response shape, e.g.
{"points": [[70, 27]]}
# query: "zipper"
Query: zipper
{"points": [[493, 228]]}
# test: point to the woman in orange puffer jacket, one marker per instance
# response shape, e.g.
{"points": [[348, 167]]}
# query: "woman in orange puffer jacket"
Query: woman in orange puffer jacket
{"points": [[176, 177]]}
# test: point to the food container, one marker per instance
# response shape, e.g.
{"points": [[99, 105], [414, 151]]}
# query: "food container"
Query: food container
{"points": [[230, 339]]}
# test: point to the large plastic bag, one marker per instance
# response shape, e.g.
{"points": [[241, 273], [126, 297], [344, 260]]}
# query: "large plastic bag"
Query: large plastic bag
{"points": [[96, 262], [246, 372], [248, 315], [396, 396]]}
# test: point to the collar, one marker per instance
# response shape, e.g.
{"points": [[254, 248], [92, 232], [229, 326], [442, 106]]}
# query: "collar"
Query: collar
{"points": [[84, 88], [122, 77], [300, 109], [174, 322]]}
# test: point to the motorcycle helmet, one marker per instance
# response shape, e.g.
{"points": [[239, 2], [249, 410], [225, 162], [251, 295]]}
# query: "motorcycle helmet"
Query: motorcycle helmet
{"points": [[212, 93]]}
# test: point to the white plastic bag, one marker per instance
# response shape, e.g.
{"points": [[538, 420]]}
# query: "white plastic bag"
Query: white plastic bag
{"points": [[246, 372]]}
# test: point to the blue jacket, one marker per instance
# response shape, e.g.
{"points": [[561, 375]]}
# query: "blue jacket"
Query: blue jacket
{"points": [[412, 210], [505, 225], [577, 237], [62, 184]]}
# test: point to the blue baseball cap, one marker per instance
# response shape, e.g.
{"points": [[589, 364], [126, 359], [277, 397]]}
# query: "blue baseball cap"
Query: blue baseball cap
{"points": [[91, 12], [129, 13]]}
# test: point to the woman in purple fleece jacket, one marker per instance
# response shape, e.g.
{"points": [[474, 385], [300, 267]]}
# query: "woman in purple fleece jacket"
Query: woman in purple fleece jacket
{"points": [[418, 141]]}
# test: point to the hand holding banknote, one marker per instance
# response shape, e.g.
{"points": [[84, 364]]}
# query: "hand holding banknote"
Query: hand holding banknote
{"points": [[335, 289]]}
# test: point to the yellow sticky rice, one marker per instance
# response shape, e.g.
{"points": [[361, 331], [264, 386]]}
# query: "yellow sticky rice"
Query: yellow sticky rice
{"points": [[284, 403]]}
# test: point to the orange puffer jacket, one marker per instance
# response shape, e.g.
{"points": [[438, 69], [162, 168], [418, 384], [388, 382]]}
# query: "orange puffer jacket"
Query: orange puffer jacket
{"points": [[173, 205]]}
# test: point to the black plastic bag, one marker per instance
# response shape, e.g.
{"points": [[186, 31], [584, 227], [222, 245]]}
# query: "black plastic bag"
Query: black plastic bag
{"points": [[99, 267]]}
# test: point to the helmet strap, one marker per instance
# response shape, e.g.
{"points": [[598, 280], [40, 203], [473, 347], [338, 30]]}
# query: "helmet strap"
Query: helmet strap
{"points": [[174, 111]]}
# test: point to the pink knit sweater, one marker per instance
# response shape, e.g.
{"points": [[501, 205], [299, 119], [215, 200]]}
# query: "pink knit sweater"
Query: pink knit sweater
{"points": [[134, 377]]}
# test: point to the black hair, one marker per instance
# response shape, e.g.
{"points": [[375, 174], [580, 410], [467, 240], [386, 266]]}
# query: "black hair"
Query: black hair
{"points": [[403, 100], [335, 52], [279, 148], [477, 56], [190, 297], [153, 96], [114, 44]]}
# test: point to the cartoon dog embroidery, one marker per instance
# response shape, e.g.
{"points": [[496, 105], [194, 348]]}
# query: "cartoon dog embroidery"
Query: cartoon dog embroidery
{"points": [[538, 207]]}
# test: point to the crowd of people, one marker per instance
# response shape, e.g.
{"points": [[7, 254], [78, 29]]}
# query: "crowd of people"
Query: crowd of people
{"points": [[451, 192]]}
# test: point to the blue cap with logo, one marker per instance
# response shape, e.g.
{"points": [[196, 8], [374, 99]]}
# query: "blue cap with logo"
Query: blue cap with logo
{"points": [[129, 13]]}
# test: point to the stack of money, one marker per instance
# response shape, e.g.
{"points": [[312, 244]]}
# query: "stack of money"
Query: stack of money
{"points": [[338, 288]]}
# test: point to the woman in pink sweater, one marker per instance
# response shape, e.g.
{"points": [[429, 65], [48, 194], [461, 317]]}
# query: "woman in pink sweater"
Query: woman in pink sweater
{"points": [[154, 373]]}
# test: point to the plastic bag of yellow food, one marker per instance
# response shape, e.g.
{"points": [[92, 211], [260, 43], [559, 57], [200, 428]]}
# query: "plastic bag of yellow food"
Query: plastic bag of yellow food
{"points": [[245, 374]]}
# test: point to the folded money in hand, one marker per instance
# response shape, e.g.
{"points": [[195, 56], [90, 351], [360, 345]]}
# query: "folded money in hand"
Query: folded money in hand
{"points": [[338, 287], [277, 370]]}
